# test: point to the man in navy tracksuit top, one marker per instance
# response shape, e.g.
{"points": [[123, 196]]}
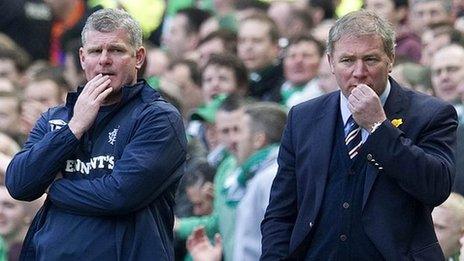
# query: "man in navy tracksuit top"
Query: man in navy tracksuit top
{"points": [[109, 160]]}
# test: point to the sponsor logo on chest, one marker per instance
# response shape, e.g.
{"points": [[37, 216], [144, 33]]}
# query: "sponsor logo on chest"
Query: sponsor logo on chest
{"points": [[99, 162]]}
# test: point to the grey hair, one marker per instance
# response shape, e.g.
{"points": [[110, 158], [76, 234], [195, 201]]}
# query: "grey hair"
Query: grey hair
{"points": [[110, 20], [362, 23]]}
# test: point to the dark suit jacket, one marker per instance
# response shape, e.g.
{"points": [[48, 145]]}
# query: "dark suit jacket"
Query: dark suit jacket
{"points": [[410, 170]]}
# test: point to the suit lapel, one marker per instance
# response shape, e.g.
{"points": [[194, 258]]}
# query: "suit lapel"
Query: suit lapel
{"points": [[394, 108], [324, 137]]}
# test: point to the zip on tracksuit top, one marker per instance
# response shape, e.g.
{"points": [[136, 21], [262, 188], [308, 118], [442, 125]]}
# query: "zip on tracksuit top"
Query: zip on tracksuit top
{"points": [[115, 200]]}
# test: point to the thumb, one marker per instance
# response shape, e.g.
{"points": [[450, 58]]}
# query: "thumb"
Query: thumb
{"points": [[217, 241]]}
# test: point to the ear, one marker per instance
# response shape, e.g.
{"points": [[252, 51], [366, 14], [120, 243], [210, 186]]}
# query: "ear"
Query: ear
{"points": [[330, 59], [82, 58], [390, 65], [140, 55], [259, 140]]}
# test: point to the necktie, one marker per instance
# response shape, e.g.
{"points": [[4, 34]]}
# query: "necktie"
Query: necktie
{"points": [[353, 139]]}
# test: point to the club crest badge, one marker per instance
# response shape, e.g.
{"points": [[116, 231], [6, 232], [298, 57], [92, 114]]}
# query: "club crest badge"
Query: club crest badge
{"points": [[112, 136]]}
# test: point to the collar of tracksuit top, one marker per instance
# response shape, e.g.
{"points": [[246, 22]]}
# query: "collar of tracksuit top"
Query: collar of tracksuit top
{"points": [[104, 115], [128, 92]]}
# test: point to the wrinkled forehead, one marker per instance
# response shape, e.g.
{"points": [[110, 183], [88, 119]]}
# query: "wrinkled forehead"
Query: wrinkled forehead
{"points": [[353, 43]]}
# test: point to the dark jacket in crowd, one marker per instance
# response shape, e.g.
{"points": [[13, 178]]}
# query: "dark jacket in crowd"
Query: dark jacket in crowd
{"points": [[265, 84]]}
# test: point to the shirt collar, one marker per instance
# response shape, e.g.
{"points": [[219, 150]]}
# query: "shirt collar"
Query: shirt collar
{"points": [[346, 113]]}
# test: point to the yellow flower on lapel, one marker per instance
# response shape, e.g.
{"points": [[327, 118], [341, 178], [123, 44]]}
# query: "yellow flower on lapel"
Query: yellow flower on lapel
{"points": [[397, 122]]}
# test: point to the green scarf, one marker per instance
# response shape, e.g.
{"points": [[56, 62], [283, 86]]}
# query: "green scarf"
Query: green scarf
{"points": [[248, 168], [286, 93]]}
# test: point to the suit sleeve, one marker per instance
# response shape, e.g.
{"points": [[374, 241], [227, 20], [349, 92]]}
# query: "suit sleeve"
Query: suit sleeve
{"points": [[279, 220], [34, 168], [423, 168], [150, 163]]}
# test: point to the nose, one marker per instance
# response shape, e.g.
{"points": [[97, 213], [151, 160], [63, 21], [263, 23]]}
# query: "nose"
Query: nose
{"points": [[233, 137], [215, 83], [246, 45], [360, 69], [105, 58]]}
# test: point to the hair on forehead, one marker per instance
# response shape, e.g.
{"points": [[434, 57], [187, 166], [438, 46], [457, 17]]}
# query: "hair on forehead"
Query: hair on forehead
{"points": [[110, 20], [363, 23]]}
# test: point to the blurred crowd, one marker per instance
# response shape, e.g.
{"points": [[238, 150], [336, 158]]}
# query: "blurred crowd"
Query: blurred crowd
{"points": [[233, 68]]}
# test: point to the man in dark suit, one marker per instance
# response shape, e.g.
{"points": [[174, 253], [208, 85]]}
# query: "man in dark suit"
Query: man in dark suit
{"points": [[360, 170]]}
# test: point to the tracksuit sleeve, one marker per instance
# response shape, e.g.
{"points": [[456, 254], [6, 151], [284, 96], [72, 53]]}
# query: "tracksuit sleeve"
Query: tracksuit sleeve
{"points": [[151, 162], [34, 168]]}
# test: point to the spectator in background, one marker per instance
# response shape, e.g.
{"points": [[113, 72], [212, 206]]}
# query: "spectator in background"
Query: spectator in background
{"points": [[323, 10], [72, 70], [447, 74], [408, 44], [15, 218], [413, 76], [182, 36], [246, 8], [210, 25], [157, 65], [227, 122], [11, 65], [448, 221], [437, 36], [291, 20], [35, 68], [69, 17], [321, 31], [281, 13], [258, 48], [8, 148], [301, 22], [206, 116], [224, 74], [426, 13], [301, 64], [9, 115], [246, 190], [225, 13], [198, 181], [48, 89], [248, 187], [182, 81], [327, 81], [220, 41]]}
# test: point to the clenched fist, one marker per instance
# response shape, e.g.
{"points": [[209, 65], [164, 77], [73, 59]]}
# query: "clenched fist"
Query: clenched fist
{"points": [[365, 106]]}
